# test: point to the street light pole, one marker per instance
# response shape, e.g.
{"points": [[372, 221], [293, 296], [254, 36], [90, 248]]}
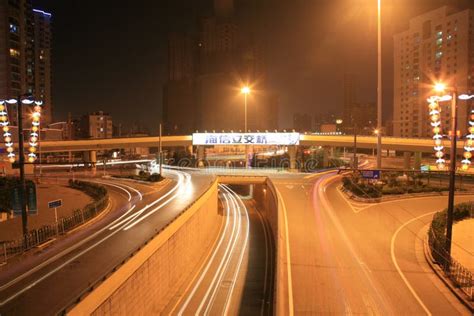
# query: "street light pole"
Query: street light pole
{"points": [[379, 86], [452, 173], [21, 163], [245, 90], [245, 106]]}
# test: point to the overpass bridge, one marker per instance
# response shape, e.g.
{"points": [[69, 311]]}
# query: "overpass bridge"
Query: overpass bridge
{"points": [[366, 142]]}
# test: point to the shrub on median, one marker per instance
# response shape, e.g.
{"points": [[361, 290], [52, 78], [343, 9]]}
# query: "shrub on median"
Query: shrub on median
{"points": [[95, 191]]}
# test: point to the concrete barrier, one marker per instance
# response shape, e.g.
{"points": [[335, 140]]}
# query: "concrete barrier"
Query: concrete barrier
{"points": [[270, 202], [147, 282]]}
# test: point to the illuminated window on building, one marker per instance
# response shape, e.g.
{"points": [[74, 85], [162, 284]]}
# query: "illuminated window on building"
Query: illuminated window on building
{"points": [[13, 28], [438, 55], [14, 52]]}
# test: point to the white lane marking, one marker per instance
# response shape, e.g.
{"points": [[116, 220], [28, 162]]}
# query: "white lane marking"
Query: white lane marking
{"points": [[26, 288], [288, 255], [394, 259], [64, 252], [211, 259], [223, 268], [59, 255], [214, 285], [237, 271], [381, 301]]}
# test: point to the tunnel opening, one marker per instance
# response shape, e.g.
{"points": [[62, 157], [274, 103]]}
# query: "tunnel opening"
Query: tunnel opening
{"points": [[259, 279]]}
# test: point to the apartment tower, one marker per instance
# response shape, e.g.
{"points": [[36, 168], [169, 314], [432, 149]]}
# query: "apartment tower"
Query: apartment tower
{"points": [[438, 46]]}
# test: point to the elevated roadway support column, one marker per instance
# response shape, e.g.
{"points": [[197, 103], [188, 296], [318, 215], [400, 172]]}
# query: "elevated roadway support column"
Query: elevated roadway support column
{"points": [[406, 160], [90, 158], [327, 152], [201, 156], [189, 150], [417, 161], [292, 154]]}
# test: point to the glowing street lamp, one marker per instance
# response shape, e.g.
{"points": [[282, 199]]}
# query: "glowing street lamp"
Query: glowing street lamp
{"points": [[440, 87], [245, 91]]}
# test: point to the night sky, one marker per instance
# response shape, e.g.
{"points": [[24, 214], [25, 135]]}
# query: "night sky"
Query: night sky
{"points": [[111, 55]]}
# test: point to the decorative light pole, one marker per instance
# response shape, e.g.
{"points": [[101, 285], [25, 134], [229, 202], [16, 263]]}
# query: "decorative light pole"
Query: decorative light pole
{"points": [[33, 142], [435, 113]]}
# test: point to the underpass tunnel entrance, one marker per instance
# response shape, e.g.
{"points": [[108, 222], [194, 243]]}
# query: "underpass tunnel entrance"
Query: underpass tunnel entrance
{"points": [[258, 277]]}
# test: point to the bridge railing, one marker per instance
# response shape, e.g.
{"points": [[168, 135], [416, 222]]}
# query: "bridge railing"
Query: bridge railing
{"points": [[46, 233]]}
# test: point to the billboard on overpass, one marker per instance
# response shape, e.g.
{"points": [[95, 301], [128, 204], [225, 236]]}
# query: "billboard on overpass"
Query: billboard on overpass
{"points": [[246, 139]]}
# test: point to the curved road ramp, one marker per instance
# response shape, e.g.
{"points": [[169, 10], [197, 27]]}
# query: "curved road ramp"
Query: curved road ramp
{"points": [[226, 254]]}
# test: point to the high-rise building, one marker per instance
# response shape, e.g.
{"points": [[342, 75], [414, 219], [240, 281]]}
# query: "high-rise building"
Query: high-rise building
{"points": [[25, 63], [42, 64], [356, 114], [96, 125], [438, 46], [207, 70]]}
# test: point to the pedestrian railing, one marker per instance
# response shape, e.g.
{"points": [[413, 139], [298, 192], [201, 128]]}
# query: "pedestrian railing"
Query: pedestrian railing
{"points": [[37, 237], [460, 276]]}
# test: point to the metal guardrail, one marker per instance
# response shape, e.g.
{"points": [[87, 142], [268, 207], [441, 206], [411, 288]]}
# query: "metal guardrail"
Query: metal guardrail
{"points": [[37, 237], [461, 277]]}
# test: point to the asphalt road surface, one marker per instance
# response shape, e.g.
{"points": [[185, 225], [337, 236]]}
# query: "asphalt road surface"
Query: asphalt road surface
{"points": [[237, 276], [46, 283], [361, 258]]}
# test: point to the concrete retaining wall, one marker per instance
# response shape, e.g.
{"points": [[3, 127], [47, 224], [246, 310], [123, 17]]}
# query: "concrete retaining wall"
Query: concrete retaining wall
{"points": [[269, 200], [148, 281]]}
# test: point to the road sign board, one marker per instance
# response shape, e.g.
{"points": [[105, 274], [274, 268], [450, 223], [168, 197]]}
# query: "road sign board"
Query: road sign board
{"points": [[370, 174], [55, 203]]}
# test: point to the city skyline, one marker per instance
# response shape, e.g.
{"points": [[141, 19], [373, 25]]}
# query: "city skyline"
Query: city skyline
{"points": [[305, 27]]}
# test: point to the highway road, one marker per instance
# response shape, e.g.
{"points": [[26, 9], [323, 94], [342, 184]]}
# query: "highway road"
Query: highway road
{"points": [[45, 283], [237, 275], [361, 258]]}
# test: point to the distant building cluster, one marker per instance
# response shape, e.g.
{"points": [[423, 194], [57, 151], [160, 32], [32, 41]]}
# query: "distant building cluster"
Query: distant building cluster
{"points": [[25, 55], [438, 46], [357, 115], [206, 70]]}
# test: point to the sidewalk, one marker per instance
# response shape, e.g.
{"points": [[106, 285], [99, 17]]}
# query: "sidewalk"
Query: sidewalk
{"points": [[463, 243], [72, 200]]}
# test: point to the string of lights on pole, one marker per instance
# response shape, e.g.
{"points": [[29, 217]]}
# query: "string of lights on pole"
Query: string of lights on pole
{"points": [[435, 113], [34, 131], [466, 162], [469, 145], [7, 135]]}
